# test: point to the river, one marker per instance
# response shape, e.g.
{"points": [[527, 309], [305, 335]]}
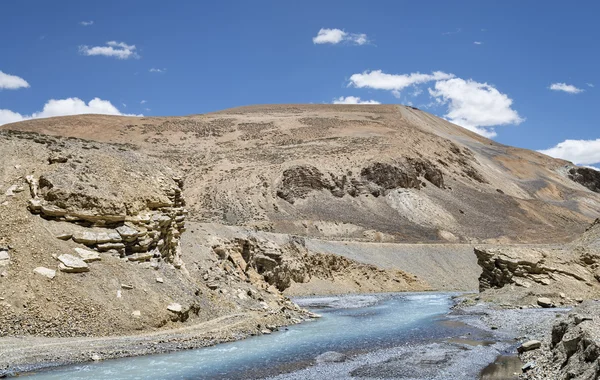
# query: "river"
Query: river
{"points": [[399, 335]]}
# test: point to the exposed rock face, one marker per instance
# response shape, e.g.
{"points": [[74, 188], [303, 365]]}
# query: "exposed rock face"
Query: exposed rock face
{"points": [[254, 259], [569, 272], [130, 204], [576, 343], [572, 349], [376, 179], [587, 177]]}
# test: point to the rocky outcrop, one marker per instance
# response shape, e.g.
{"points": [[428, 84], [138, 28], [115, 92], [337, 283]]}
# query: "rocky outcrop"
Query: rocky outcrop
{"points": [[375, 179], [576, 343], [130, 206], [587, 177], [560, 274], [265, 262], [525, 266], [572, 349]]}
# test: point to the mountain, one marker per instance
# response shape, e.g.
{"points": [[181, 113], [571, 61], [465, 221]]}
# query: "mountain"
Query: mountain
{"points": [[380, 173], [179, 232]]}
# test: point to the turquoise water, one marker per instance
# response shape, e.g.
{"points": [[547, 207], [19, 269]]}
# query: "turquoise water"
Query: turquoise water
{"points": [[349, 324]]}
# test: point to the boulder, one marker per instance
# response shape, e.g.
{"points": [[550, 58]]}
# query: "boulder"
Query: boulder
{"points": [[87, 255], [84, 237], [174, 308], [46, 272], [545, 302], [127, 233], [72, 264], [529, 345], [64, 236], [142, 256], [4, 258]]}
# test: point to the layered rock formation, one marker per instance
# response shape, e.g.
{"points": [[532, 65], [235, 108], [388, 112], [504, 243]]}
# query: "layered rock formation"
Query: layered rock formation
{"points": [[283, 266], [563, 273], [571, 350]]}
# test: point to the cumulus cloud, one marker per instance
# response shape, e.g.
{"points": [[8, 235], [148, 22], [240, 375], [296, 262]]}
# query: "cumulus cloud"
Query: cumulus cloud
{"points": [[580, 152], [86, 23], [154, 70], [12, 82], [475, 106], [335, 36], [565, 87], [353, 100], [379, 80], [119, 50], [63, 107]]}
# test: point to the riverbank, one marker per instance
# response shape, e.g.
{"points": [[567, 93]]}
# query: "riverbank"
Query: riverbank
{"points": [[19, 355], [436, 343]]}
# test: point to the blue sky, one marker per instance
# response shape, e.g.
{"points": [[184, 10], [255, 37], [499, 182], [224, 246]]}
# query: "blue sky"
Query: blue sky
{"points": [[488, 66]]}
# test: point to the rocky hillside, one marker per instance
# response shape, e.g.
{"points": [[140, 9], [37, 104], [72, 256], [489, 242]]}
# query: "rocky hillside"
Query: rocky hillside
{"points": [[378, 173], [94, 242]]}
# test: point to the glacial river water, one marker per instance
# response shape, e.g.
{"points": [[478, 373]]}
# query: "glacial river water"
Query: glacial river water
{"points": [[354, 325]]}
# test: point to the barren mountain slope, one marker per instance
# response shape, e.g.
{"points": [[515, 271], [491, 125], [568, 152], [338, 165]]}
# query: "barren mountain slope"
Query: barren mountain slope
{"points": [[343, 172]]}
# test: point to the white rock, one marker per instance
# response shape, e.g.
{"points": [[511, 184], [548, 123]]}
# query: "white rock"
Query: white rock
{"points": [[136, 313], [50, 273], [87, 255], [174, 308], [159, 280], [84, 237], [72, 264]]}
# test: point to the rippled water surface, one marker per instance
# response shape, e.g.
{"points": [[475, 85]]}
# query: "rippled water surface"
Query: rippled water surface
{"points": [[350, 324]]}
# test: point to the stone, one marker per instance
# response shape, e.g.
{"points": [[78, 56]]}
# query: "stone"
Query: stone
{"points": [[102, 237], [87, 255], [127, 233], [46, 272], [72, 264], [64, 236], [545, 302], [159, 280], [136, 313], [174, 308], [4, 258], [142, 256], [114, 237], [96, 357], [108, 246], [84, 237], [528, 366], [579, 300], [331, 357], [529, 345], [126, 286]]}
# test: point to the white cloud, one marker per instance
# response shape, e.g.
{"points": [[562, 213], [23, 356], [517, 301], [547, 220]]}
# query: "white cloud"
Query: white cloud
{"points": [[379, 80], [154, 70], [590, 85], [335, 36], [12, 82], [565, 87], [353, 100], [143, 101], [119, 50], [63, 107], [478, 43], [580, 152], [475, 106], [86, 23], [458, 30]]}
